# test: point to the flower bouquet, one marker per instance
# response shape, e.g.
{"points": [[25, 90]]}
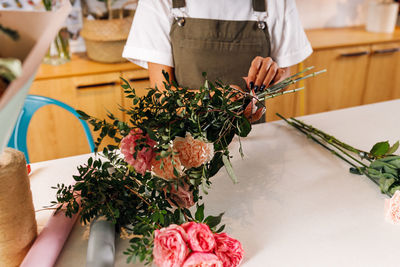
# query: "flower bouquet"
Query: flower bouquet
{"points": [[149, 184], [380, 164]]}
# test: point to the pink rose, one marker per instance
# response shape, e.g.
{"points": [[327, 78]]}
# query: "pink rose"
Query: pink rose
{"points": [[170, 249], [200, 237], [183, 197], [142, 162], [200, 259], [166, 169], [228, 250], [392, 208], [193, 152]]}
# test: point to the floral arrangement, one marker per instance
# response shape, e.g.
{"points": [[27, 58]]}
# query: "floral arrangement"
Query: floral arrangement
{"points": [[380, 164], [162, 161]]}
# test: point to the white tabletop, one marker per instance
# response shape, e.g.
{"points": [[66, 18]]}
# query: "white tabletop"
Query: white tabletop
{"points": [[295, 204]]}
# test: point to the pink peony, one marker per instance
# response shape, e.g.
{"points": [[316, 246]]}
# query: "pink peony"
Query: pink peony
{"points": [[183, 197], [392, 208], [228, 250], [193, 152], [167, 170], [142, 162], [200, 259], [200, 237], [170, 249]]}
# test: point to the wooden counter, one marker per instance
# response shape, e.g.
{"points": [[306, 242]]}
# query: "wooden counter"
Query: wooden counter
{"points": [[352, 36], [81, 65]]}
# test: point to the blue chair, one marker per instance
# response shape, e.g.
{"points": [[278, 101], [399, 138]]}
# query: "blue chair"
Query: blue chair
{"points": [[31, 105]]}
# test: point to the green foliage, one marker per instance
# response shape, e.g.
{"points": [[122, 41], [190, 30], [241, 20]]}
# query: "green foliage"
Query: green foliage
{"points": [[108, 186], [386, 171], [380, 149]]}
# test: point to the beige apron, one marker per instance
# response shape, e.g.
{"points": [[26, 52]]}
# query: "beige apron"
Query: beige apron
{"points": [[223, 49]]}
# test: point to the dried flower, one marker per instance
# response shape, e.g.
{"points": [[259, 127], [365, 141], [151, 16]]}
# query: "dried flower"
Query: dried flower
{"points": [[182, 196]]}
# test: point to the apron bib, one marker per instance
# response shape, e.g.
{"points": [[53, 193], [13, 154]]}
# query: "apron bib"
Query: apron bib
{"points": [[222, 48]]}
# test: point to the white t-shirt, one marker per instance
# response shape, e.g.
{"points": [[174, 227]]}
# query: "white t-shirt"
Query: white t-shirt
{"points": [[149, 39]]}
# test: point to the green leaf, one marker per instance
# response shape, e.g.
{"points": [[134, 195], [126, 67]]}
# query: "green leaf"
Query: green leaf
{"points": [[244, 127], [199, 215], [213, 221], [221, 229], [394, 189], [151, 134], [385, 184], [395, 163], [83, 115], [377, 164], [355, 171], [229, 169], [380, 149], [393, 148]]}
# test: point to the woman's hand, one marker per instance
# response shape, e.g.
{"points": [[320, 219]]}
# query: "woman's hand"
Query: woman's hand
{"points": [[251, 111], [264, 72]]}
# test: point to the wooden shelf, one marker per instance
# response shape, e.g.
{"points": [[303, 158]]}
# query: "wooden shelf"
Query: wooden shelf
{"points": [[81, 65], [344, 37]]}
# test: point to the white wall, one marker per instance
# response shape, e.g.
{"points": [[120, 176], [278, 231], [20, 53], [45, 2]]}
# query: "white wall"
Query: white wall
{"points": [[331, 13]]}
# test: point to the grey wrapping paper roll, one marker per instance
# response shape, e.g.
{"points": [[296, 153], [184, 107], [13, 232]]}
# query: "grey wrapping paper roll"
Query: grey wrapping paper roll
{"points": [[101, 245]]}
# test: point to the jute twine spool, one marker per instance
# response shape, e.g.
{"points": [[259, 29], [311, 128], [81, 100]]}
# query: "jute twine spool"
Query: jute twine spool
{"points": [[18, 227]]}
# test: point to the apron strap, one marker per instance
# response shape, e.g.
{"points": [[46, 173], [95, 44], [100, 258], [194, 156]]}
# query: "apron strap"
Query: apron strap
{"points": [[258, 5], [178, 3]]}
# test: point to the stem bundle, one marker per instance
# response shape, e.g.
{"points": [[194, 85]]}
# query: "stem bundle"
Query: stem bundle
{"points": [[351, 155]]}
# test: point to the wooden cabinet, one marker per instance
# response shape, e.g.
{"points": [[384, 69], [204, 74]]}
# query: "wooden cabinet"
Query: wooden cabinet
{"points": [[343, 84], [362, 68], [94, 94], [383, 81], [54, 132], [289, 105]]}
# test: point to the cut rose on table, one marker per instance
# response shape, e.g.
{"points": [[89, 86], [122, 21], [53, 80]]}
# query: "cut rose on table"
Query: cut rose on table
{"points": [[194, 245]]}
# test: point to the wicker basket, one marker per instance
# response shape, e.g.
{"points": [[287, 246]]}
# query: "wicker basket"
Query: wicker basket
{"points": [[105, 39]]}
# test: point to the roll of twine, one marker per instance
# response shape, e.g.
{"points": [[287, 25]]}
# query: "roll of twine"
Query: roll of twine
{"points": [[18, 227]]}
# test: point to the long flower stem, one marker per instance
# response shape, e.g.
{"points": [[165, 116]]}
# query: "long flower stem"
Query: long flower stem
{"points": [[329, 141], [334, 152], [311, 132], [332, 139]]}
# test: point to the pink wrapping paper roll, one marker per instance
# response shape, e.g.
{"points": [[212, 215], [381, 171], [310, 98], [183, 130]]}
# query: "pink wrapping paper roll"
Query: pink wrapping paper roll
{"points": [[48, 245]]}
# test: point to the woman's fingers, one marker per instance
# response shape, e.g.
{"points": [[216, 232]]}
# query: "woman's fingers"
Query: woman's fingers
{"points": [[280, 76], [261, 73], [254, 68], [271, 75]]}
